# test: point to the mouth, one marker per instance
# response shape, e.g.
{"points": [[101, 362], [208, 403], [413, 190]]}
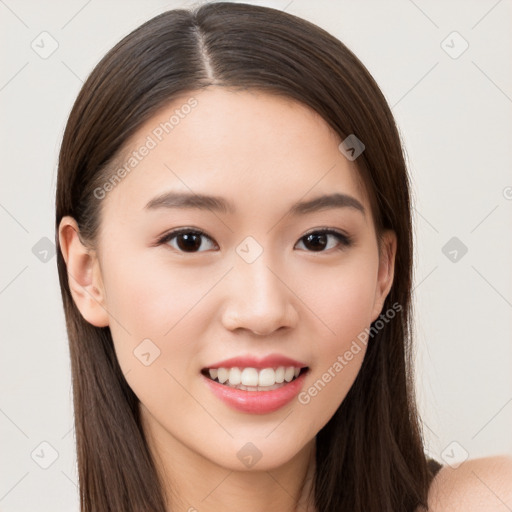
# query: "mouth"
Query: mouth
{"points": [[255, 379]]}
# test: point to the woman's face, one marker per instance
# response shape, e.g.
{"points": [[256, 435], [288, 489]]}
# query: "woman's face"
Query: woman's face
{"points": [[260, 283]]}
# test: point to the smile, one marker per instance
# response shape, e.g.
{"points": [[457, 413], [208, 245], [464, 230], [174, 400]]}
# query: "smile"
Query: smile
{"points": [[253, 379], [255, 399]]}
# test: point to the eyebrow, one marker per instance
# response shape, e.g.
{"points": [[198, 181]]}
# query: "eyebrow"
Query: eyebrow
{"points": [[216, 203]]}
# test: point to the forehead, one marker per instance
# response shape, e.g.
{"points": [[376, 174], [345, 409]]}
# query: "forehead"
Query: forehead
{"points": [[243, 145]]}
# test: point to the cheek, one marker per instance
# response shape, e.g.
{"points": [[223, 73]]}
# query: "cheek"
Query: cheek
{"points": [[150, 298], [156, 328], [341, 301], [148, 301], [341, 298]]}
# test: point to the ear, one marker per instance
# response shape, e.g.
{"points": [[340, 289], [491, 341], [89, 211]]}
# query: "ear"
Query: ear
{"points": [[386, 271], [84, 275]]}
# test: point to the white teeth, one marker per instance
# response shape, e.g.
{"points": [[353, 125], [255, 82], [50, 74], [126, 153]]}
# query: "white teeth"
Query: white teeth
{"points": [[235, 376], [252, 378], [223, 375], [288, 374], [267, 377]]}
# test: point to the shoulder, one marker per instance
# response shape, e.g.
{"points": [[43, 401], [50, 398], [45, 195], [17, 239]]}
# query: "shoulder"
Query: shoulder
{"points": [[477, 485]]}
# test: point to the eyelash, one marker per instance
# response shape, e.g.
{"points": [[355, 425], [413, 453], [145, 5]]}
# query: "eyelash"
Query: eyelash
{"points": [[345, 241]]}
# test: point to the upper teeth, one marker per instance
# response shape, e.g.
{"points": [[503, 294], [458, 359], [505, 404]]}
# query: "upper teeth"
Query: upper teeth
{"points": [[253, 377]]}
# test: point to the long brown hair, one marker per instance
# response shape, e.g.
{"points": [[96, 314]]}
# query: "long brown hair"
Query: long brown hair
{"points": [[370, 455]]}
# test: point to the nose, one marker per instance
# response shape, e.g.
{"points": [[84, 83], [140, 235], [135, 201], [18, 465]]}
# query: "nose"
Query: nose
{"points": [[258, 299]]}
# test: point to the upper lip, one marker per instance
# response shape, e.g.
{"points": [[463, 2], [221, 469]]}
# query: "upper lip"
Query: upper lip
{"points": [[270, 361]]}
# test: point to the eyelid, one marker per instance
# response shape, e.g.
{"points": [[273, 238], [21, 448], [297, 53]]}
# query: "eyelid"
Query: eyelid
{"points": [[166, 237], [326, 230], [344, 239]]}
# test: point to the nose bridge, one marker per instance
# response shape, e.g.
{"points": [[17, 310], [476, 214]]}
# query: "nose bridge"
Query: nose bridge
{"points": [[258, 281], [258, 299]]}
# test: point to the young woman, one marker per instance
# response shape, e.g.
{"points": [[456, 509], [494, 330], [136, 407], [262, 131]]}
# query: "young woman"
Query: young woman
{"points": [[234, 225]]}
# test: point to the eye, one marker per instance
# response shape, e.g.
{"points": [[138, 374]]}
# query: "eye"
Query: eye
{"points": [[193, 240], [187, 240], [325, 239]]}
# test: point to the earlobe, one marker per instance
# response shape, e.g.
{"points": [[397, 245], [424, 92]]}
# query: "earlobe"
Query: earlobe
{"points": [[386, 271], [84, 275]]}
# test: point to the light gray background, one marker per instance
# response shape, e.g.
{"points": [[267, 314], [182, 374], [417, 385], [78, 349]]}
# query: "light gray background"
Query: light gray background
{"points": [[454, 116]]}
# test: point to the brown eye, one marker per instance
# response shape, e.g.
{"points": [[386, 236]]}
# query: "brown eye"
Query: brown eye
{"points": [[188, 241], [318, 241]]}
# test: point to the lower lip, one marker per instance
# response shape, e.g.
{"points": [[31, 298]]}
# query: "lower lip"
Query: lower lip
{"points": [[257, 402]]}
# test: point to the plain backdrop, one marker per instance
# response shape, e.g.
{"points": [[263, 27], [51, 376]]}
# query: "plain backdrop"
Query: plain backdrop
{"points": [[444, 68]]}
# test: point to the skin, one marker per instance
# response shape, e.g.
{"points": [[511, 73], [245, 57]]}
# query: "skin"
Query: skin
{"points": [[477, 485], [263, 153]]}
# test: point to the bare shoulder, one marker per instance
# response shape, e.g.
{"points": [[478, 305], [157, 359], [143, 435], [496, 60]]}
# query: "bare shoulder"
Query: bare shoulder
{"points": [[477, 485]]}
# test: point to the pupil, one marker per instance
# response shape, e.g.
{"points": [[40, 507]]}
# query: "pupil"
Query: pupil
{"points": [[187, 242], [319, 239]]}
